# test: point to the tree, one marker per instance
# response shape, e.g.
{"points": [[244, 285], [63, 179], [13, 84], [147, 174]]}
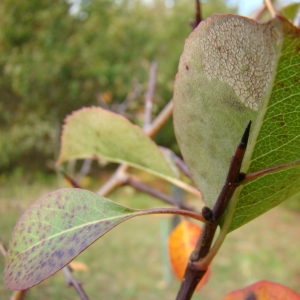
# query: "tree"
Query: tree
{"points": [[234, 74]]}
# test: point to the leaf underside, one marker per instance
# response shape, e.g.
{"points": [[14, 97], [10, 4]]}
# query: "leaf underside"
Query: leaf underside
{"points": [[97, 133], [54, 230], [59, 226], [234, 70]]}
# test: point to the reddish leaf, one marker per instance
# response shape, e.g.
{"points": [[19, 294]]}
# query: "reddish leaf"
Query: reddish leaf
{"points": [[182, 242], [263, 290]]}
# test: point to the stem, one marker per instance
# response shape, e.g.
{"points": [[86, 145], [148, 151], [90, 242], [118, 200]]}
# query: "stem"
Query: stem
{"points": [[259, 11], [174, 211], [271, 8], [19, 295], [116, 180], [198, 16], [72, 281], [193, 272], [137, 184], [255, 175], [150, 95], [160, 120], [3, 249], [181, 165], [72, 181], [119, 177], [205, 262]]}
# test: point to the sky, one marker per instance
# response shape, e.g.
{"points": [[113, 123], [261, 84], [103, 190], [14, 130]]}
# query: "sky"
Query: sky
{"points": [[248, 6]]}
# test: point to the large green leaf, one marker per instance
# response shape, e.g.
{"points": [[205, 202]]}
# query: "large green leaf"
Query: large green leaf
{"points": [[57, 227], [95, 132], [234, 70]]}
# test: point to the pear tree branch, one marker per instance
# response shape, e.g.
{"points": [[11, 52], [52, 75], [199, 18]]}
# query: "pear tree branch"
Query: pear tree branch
{"points": [[194, 272]]}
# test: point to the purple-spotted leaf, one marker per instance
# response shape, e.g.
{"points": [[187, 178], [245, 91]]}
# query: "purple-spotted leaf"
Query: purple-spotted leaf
{"points": [[57, 227]]}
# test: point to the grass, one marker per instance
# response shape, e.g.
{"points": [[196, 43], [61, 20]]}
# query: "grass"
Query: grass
{"points": [[127, 263]]}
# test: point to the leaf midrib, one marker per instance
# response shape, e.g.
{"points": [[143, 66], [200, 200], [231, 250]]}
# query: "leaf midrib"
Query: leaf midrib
{"points": [[78, 227]]}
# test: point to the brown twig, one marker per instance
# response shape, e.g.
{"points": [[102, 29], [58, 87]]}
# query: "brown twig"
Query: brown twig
{"points": [[193, 273], [72, 281], [119, 176], [150, 95], [198, 15], [18, 295], [160, 120], [181, 165], [134, 93], [72, 181], [140, 186], [85, 168], [271, 8], [3, 249], [256, 15], [116, 180]]}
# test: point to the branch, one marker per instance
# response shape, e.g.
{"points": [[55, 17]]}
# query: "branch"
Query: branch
{"points": [[181, 165], [134, 93], [150, 95], [85, 168], [137, 184], [193, 272], [72, 281], [19, 295], [271, 8], [3, 249], [198, 16], [72, 181], [160, 120], [117, 179]]}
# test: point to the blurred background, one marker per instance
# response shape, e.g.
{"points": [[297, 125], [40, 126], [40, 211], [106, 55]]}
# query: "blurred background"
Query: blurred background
{"points": [[58, 56]]}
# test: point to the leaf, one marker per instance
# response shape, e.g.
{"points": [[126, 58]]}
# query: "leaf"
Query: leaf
{"points": [[290, 11], [182, 242], [263, 290], [57, 227], [95, 132], [233, 70], [78, 266]]}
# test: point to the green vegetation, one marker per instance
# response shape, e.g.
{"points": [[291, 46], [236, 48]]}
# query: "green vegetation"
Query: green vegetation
{"points": [[233, 71], [140, 278], [52, 63]]}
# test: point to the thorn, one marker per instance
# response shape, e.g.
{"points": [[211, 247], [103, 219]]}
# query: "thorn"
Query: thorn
{"points": [[245, 137], [207, 213]]}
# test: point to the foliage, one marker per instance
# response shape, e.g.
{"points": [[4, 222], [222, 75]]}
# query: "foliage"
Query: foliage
{"points": [[263, 290], [182, 242], [53, 62], [224, 79], [256, 81]]}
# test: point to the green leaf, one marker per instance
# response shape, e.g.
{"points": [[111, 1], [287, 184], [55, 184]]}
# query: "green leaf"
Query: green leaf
{"points": [[95, 132], [234, 70], [290, 11], [57, 227]]}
